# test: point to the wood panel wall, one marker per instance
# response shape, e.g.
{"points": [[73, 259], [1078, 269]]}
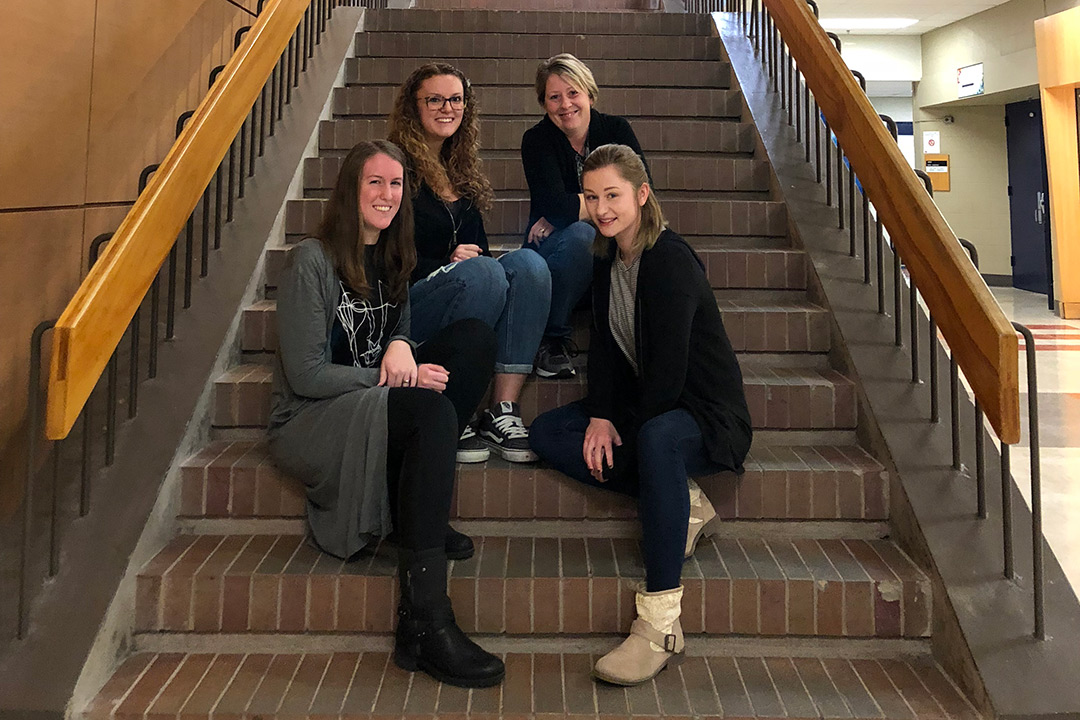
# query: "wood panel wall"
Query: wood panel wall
{"points": [[91, 92]]}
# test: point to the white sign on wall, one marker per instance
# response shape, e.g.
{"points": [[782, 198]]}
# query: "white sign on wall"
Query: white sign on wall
{"points": [[931, 141], [969, 80]]}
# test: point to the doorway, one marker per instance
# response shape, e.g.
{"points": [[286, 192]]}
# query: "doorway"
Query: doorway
{"points": [[1029, 199]]}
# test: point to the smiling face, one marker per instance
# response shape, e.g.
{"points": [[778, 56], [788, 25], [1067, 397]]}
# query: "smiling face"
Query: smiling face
{"points": [[379, 195], [613, 204], [568, 106], [443, 121]]}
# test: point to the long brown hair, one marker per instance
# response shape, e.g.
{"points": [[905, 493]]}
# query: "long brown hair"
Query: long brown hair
{"points": [[458, 163], [630, 168], [341, 226]]}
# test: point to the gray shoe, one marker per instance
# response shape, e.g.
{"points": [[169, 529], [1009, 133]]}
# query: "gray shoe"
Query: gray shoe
{"points": [[470, 449], [555, 357]]}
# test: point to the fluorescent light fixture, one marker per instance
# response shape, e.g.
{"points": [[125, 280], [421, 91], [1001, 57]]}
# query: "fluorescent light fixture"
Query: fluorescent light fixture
{"points": [[866, 23]]}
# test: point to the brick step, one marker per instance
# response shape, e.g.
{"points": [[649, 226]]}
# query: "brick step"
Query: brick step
{"points": [[415, 46], [668, 135], [735, 268], [705, 216], [300, 686], [752, 327], [526, 585], [654, 102], [779, 398], [695, 172], [239, 480], [521, 72], [547, 5], [536, 23]]}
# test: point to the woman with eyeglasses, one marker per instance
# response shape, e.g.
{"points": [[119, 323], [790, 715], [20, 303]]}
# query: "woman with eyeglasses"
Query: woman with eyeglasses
{"points": [[552, 153], [369, 421], [435, 120]]}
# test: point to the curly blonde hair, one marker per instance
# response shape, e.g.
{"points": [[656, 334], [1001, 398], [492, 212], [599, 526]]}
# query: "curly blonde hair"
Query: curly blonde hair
{"points": [[458, 165]]}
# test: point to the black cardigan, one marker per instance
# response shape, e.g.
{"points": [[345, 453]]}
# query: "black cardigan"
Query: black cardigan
{"points": [[683, 353], [434, 231], [551, 170]]}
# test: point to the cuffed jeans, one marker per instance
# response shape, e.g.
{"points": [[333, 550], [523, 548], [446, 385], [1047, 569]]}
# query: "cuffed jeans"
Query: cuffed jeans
{"points": [[652, 466], [569, 257], [511, 294]]}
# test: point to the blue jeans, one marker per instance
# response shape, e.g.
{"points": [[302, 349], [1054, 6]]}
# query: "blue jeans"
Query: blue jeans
{"points": [[652, 465], [569, 257], [511, 295]]}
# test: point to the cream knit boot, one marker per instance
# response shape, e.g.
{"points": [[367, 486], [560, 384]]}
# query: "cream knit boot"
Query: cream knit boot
{"points": [[702, 517], [656, 639]]}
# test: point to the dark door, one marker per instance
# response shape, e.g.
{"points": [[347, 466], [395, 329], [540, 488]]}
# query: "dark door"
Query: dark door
{"points": [[1029, 198]]}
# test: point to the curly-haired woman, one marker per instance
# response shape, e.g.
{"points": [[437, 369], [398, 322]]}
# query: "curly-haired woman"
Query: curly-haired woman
{"points": [[367, 426], [435, 120], [552, 153]]}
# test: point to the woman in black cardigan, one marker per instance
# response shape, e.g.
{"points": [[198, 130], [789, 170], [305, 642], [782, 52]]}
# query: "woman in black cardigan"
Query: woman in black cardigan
{"points": [[552, 153], [665, 398]]}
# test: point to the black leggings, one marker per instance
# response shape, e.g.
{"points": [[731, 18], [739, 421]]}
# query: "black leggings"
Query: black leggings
{"points": [[423, 427]]}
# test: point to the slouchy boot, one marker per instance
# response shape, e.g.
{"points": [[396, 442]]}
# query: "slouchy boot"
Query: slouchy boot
{"points": [[656, 639], [702, 517], [428, 637]]}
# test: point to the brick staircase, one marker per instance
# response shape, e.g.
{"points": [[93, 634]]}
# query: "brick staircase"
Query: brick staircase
{"points": [[800, 607]]}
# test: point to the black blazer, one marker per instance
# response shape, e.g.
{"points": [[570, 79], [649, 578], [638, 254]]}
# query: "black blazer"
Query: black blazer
{"points": [[551, 170], [684, 356]]}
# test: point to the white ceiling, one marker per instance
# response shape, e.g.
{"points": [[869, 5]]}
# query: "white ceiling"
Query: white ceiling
{"points": [[930, 13]]}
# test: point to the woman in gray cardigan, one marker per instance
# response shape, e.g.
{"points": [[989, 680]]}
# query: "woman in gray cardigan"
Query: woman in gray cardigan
{"points": [[369, 427]]}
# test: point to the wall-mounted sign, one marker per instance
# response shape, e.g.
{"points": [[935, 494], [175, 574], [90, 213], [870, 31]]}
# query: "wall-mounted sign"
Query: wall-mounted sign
{"points": [[931, 141], [937, 167], [969, 80]]}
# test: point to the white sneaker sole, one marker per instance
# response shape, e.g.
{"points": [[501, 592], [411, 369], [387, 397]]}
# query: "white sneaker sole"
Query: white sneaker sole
{"points": [[514, 456], [564, 374], [478, 455]]}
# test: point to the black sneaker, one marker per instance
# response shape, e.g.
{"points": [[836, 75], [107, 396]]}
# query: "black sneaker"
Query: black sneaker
{"points": [[470, 449], [501, 430], [554, 359]]}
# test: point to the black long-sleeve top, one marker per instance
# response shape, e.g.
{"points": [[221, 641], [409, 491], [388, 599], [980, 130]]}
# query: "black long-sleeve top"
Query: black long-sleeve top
{"points": [[684, 356], [551, 166], [434, 233]]}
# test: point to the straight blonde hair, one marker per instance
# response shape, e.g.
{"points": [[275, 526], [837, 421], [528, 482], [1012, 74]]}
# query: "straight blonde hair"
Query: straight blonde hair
{"points": [[570, 69], [631, 169]]}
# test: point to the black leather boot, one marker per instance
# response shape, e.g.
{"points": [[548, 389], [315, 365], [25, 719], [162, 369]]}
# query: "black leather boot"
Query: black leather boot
{"points": [[459, 546], [428, 637]]}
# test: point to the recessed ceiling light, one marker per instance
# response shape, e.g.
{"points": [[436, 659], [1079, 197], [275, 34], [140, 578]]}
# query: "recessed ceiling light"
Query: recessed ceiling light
{"points": [[867, 23]]}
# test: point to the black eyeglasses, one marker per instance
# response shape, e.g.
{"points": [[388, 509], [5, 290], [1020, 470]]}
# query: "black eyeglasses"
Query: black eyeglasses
{"points": [[438, 102]]}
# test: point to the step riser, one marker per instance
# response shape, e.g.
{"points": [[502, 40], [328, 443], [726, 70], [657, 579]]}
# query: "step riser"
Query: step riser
{"points": [[677, 102], [687, 217], [243, 484], [674, 135], [727, 269], [709, 174], [242, 399], [488, 21], [522, 72], [285, 586], [419, 45], [778, 331]]}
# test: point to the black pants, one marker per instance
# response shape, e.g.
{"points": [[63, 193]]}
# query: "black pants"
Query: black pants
{"points": [[423, 427]]}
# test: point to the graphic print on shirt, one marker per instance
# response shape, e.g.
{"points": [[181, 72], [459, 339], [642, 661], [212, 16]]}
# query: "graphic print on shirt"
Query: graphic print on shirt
{"points": [[364, 325]]}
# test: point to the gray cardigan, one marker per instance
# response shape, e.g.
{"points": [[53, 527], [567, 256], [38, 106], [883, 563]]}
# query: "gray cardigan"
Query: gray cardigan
{"points": [[345, 477]]}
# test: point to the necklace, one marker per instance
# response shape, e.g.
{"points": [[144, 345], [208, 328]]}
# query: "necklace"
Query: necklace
{"points": [[454, 224]]}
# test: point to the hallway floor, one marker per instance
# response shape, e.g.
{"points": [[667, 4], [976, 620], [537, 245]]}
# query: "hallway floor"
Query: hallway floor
{"points": [[1058, 362]]}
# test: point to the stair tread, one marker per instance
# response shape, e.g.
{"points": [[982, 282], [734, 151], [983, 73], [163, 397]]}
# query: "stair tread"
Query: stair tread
{"points": [[368, 684], [238, 480]]}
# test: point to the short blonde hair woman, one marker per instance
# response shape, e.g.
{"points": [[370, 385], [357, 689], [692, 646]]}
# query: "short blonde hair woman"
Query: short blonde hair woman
{"points": [[665, 398], [552, 153]]}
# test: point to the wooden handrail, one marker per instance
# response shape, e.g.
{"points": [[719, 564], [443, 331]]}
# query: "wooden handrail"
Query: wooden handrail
{"points": [[977, 331], [95, 320]]}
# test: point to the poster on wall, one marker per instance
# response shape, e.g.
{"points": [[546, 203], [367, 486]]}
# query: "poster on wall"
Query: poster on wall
{"points": [[969, 80], [931, 141]]}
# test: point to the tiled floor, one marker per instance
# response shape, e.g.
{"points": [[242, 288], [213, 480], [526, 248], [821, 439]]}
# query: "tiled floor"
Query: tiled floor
{"points": [[1057, 343]]}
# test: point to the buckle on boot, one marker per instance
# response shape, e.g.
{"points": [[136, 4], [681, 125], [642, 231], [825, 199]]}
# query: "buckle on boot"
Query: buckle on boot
{"points": [[669, 643]]}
